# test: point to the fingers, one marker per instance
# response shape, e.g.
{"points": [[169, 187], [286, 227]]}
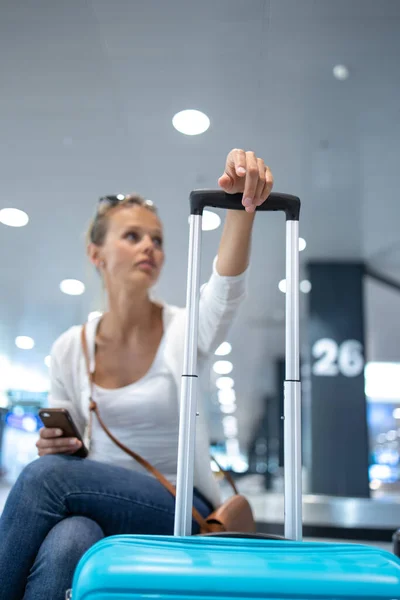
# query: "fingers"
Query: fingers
{"points": [[269, 184], [235, 167], [264, 185], [58, 443], [238, 161], [57, 446], [258, 198], [246, 173], [50, 432], [251, 182], [225, 182]]}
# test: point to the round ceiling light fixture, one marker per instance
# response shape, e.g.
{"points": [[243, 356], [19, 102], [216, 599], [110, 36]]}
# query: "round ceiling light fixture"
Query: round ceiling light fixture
{"points": [[72, 287], [224, 349], [341, 72], [191, 122], [282, 286], [13, 217], [225, 383], [305, 286], [24, 342], [223, 367]]}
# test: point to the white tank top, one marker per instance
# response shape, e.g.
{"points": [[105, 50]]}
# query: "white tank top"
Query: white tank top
{"points": [[144, 417]]}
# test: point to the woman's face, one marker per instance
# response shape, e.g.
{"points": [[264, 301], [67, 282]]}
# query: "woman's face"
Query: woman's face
{"points": [[132, 252]]}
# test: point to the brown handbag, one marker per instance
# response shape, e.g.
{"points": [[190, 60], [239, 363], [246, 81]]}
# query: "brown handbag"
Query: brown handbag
{"points": [[233, 515]]}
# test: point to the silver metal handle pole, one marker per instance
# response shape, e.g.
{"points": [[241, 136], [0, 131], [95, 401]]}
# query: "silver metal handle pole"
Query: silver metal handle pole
{"points": [[292, 402], [188, 404]]}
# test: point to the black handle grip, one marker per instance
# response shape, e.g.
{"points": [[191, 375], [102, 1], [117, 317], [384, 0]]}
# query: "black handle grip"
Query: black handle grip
{"points": [[199, 199]]}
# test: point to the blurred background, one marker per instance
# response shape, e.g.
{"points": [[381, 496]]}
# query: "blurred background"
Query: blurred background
{"points": [[92, 103]]}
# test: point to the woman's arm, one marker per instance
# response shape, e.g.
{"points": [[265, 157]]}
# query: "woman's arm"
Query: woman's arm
{"points": [[225, 291], [247, 174], [62, 375], [234, 248]]}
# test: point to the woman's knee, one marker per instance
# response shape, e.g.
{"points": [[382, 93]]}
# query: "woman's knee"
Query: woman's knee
{"points": [[43, 466], [70, 539], [59, 554], [40, 471]]}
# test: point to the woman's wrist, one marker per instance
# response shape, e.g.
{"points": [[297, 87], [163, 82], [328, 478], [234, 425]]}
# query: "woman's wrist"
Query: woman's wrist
{"points": [[234, 249]]}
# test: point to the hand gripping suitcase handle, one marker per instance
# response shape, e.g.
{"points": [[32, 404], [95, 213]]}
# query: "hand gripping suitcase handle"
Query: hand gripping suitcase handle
{"points": [[286, 203]]}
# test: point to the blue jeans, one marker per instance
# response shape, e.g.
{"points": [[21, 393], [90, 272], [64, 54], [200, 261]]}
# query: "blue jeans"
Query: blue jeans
{"points": [[60, 506]]}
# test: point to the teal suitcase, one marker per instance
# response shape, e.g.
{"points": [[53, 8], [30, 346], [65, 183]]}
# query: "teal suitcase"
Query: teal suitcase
{"points": [[202, 568]]}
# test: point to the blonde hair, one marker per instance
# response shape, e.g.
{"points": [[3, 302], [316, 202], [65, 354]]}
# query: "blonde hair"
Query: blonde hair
{"points": [[99, 226]]}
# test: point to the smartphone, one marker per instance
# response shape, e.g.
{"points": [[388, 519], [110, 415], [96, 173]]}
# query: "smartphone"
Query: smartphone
{"points": [[60, 418]]}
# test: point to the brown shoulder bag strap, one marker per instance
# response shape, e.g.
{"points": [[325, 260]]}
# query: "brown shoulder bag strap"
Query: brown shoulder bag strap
{"points": [[142, 461]]}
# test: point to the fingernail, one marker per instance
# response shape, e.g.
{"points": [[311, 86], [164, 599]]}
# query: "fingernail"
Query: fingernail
{"points": [[247, 201], [250, 209], [58, 431], [241, 170], [73, 442]]}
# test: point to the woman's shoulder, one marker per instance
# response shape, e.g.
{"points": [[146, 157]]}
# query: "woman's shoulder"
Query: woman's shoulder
{"points": [[67, 342], [171, 311]]}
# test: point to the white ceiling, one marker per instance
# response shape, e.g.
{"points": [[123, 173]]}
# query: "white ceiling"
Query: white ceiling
{"points": [[88, 91]]}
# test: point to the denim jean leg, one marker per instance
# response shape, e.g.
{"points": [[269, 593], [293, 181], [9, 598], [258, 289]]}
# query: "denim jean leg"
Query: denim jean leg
{"points": [[52, 488], [63, 547]]}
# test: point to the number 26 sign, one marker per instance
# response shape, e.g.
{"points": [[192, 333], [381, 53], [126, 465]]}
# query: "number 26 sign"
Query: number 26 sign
{"points": [[333, 359]]}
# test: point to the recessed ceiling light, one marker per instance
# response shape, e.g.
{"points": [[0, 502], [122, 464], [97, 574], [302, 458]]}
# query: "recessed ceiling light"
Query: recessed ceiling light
{"points": [[396, 413], [13, 217], [302, 244], [210, 220], [227, 396], [228, 409], [340, 72], [47, 361], [95, 314], [232, 447], [72, 287], [191, 122], [224, 383], [305, 286], [24, 342], [223, 367], [230, 426], [224, 349]]}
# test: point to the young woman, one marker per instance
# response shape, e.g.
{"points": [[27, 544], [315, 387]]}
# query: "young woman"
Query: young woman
{"points": [[61, 504]]}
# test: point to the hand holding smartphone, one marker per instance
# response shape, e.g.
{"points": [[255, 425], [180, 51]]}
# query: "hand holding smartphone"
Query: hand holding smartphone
{"points": [[60, 434]]}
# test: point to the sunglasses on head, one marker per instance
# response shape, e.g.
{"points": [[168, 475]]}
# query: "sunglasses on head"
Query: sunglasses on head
{"points": [[115, 200]]}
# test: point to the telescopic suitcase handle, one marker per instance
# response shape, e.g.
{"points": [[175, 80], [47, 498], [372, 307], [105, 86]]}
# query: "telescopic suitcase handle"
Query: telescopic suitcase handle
{"points": [[199, 199], [290, 205]]}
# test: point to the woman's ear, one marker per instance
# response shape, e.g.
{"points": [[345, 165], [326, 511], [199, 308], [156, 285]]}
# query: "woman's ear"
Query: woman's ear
{"points": [[94, 254]]}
